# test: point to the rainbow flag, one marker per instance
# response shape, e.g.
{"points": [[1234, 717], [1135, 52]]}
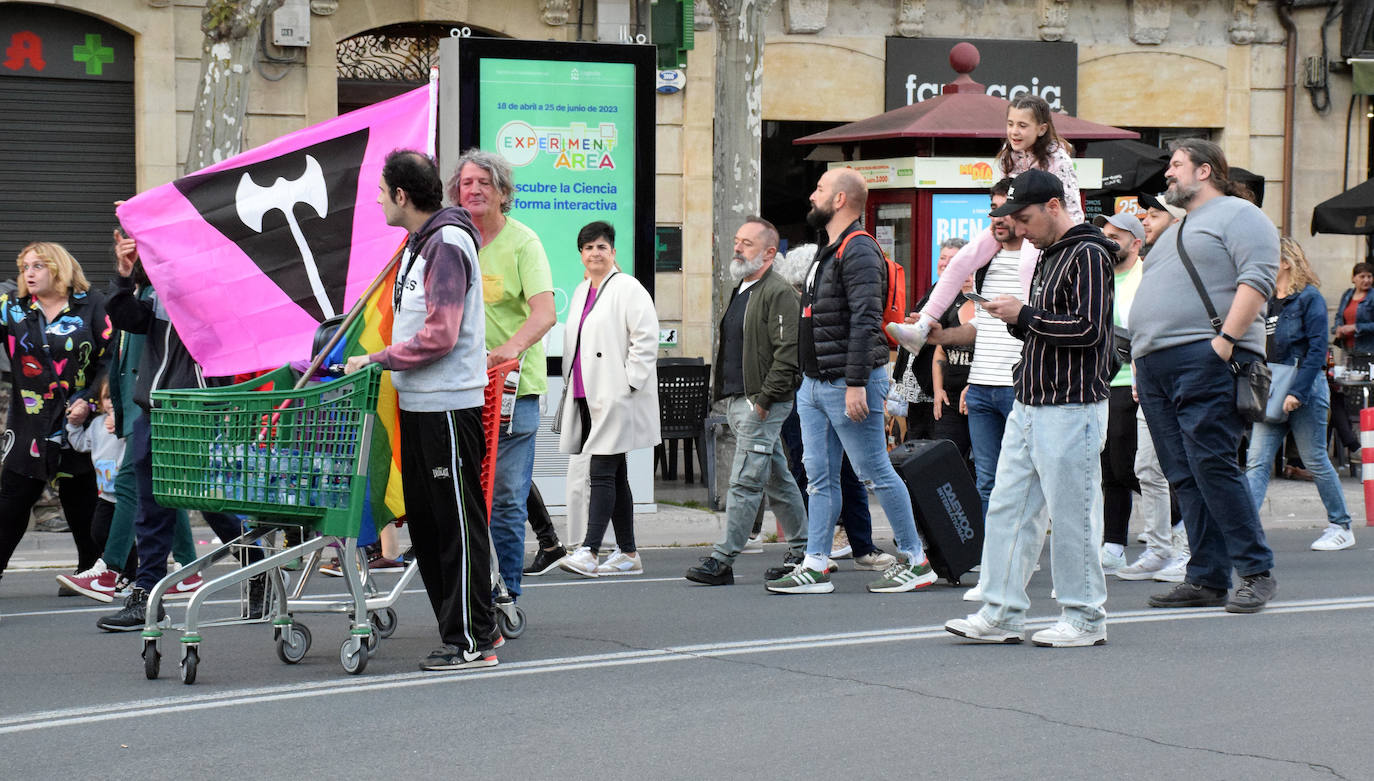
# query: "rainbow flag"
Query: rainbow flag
{"points": [[369, 333]]}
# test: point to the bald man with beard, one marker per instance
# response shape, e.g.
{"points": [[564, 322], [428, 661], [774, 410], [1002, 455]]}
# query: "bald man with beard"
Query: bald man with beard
{"points": [[843, 357]]}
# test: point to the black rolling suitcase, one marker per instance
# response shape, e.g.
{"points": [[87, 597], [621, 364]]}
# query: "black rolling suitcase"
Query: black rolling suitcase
{"points": [[949, 512]]}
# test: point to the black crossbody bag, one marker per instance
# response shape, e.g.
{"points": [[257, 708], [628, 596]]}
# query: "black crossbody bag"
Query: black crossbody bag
{"points": [[1252, 378]]}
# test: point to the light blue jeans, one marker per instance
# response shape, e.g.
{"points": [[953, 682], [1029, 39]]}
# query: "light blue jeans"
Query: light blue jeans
{"points": [[511, 491], [1308, 424], [1050, 460], [827, 435]]}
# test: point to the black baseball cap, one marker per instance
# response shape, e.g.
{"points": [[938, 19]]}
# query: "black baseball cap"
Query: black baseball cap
{"points": [[1030, 188]]}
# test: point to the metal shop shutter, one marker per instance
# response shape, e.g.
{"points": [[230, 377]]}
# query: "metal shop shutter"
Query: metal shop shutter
{"points": [[66, 154]]}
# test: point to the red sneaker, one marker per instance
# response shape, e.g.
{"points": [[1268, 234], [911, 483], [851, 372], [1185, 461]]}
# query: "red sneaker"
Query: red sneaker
{"points": [[185, 588], [100, 586]]}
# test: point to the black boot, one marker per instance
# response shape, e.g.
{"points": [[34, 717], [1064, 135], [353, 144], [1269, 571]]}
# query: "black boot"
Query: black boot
{"points": [[712, 572]]}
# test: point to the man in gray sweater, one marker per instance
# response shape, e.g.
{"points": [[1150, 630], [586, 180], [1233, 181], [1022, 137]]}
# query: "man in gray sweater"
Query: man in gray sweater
{"points": [[1185, 378]]}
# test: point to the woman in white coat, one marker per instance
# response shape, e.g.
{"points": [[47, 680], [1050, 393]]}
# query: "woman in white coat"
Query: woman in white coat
{"points": [[612, 406]]}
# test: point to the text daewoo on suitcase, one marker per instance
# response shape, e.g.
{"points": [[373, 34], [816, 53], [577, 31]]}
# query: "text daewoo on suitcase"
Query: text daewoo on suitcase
{"points": [[949, 512]]}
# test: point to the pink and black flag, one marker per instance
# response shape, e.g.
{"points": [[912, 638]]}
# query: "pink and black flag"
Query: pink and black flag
{"points": [[250, 255]]}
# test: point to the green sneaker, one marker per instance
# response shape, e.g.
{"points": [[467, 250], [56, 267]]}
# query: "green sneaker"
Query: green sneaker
{"points": [[904, 577], [801, 581]]}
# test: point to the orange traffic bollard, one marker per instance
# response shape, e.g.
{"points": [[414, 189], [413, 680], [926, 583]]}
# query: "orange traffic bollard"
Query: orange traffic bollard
{"points": [[1367, 462]]}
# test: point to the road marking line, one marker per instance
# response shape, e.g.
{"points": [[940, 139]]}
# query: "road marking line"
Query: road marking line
{"points": [[306, 689]]}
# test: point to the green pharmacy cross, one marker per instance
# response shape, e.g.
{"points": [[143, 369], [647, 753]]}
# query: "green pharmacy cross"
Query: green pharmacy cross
{"points": [[94, 54]]}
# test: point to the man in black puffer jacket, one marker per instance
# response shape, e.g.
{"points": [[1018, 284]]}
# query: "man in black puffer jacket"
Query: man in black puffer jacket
{"points": [[843, 358]]}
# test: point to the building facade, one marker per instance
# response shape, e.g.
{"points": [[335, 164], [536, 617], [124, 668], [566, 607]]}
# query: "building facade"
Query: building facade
{"points": [[1164, 67]]}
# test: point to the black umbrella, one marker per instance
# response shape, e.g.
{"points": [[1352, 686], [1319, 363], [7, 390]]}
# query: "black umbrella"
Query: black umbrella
{"points": [[1128, 166], [1350, 212]]}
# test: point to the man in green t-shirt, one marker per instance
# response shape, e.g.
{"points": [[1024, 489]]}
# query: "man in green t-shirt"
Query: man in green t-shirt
{"points": [[1118, 455], [517, 288]]}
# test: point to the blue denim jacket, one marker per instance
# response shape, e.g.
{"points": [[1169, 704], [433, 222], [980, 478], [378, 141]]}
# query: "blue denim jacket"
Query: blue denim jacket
{"points": [[1300, 339], [1364, 320]]}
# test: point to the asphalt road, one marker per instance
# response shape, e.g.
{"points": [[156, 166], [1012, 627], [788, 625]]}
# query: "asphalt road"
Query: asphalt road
{"points": [[656, 678]]}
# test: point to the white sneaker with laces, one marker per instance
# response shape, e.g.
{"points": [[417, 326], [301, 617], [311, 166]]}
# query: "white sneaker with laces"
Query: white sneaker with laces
{"points": [[876, 561], [580, 562], [1335, 538], [753, 545], [1174, 571], [977, 629], [1066, 635], [974, 594], [621, 564], [1111, 562], [1145, 567]]}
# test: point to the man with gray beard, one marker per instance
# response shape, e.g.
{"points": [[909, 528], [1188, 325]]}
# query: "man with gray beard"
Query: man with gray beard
{"points": [[757, 377]]}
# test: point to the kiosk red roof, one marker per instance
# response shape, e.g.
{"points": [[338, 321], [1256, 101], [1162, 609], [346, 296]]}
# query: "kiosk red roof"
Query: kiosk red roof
{"points": [[964, 110]]}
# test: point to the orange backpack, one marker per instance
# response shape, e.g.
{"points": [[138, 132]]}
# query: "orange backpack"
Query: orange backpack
{"points": [[894, 302]]}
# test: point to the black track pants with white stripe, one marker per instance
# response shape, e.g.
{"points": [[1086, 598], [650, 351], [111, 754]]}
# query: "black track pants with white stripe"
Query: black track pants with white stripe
{"points": [[441, 473]]}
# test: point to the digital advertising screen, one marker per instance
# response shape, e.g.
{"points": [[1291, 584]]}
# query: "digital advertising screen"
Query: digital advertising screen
{"points": [[961, 215], [576, 123]]}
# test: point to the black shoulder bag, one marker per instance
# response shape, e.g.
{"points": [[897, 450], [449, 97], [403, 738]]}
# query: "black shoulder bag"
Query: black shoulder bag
{"points": [[1252, 378]]}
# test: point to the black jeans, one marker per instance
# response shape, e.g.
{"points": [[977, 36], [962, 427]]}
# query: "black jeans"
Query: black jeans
{"points": [[1118, 466], [610, 503], [77, 493], [540, 522]]}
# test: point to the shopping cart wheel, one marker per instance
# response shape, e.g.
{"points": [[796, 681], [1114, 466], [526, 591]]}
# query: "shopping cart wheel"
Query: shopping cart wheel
{"points": [[152, 659], [373, 640], [189, 661], [512, 623], [353, 655], [293, 642], [384, 622]]}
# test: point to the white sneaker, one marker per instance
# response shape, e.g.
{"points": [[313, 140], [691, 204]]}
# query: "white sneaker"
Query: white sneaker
{"points": [[580, 562], [753, 545], [977, 629], [1111, 562], [621, 564], [875, 560], [1145, 567], [1066, 635], [1174, 571], [1142, 538], [974, 594], [840, 548], [912, 336], [1335, 538]]}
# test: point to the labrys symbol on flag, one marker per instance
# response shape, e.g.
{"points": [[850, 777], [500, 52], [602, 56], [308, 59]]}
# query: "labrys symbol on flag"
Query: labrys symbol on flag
{"points": [[254, 202], [292, 215]]}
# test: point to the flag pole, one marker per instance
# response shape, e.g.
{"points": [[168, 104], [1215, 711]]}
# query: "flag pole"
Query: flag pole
{"points": [[358, 307]]}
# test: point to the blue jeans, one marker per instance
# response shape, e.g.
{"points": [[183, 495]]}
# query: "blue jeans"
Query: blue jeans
{"points": [[988, 409], [1308, 424], [854, 515], [1051, 460], [511, 491], [1189, 397], [827, 436]]}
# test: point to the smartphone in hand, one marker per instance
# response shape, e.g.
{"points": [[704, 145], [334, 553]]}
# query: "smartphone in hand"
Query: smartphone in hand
{"points": [[976, 298]]}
